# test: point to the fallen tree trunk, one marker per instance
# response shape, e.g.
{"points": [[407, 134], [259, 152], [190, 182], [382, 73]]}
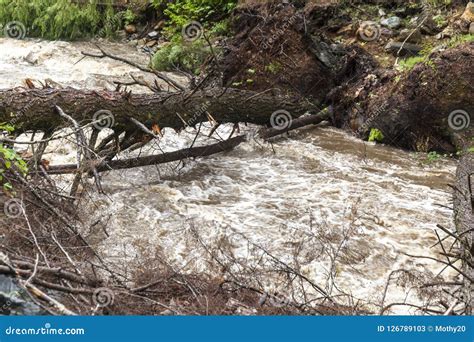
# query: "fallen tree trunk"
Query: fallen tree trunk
{"points": [[34, 109], [464, 220], [194, 152]]}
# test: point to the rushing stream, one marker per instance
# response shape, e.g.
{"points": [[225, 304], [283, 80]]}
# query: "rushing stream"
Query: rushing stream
{"points": [[315, 181]]}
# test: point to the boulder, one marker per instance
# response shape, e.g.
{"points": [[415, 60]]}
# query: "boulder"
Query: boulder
{"points": [[406, 49], [130, 29], [468, 14], [448, 32], [153, 35], [411, 36]]}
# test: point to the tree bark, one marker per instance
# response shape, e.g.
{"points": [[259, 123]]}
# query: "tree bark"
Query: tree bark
{"points": [[34, 109], [464, 220]]}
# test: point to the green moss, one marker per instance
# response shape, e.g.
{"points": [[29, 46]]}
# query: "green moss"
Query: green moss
{"points": [[409, 63], [273, 67], [376, 135]]}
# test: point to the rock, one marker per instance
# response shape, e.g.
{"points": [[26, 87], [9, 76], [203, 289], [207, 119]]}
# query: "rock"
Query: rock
{"points": [[414, 36], [161, 24], [413, 21], [31, 58], [151, 43], [471, 28], [14, 300], [391, 23], [386, 32], [429, 28], [406, 49], [153, 35], [448, 32], [130, 29], [468, 14], [382, 12], [133, 42]]}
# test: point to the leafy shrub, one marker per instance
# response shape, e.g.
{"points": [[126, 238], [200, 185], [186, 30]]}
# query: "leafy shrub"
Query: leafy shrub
{"points": [[180, 12], [189, 56], [8, 159]]}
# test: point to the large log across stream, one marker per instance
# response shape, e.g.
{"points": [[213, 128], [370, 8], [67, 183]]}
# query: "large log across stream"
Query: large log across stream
{"points": [[34, 109]]}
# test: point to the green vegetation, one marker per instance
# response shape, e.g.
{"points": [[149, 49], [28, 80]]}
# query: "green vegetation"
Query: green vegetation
{"points": [[9, 158], [376, 135], [207, 12], [439, 3], [424, 57], [409, 63], [273, 67], [460, 39], [440, 20], [433, 156], [187, 56], [54, 19], [191, 55]]}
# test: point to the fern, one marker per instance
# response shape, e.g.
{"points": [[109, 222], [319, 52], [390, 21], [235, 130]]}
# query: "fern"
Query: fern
{"points": [[54, 19]]}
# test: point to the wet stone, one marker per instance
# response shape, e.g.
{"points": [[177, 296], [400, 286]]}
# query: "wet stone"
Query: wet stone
{"points": [[391, 23]]}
